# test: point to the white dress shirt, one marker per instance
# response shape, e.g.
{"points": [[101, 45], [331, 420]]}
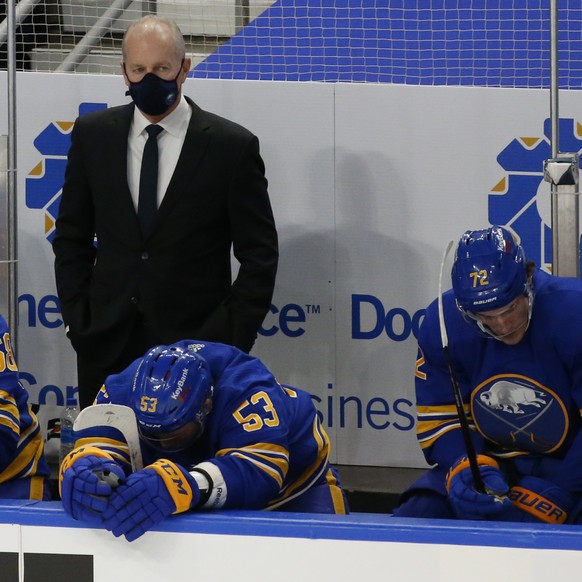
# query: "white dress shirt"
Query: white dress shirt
{"points": [[170, 143]]}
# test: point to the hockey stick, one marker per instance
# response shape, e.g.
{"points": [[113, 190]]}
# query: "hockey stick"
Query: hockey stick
{"points": [[120, 417], [465, 430]]}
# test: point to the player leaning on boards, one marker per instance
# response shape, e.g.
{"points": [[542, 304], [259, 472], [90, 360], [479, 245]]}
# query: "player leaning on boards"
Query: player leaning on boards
{"points": [[216, 431], [515, 343]]}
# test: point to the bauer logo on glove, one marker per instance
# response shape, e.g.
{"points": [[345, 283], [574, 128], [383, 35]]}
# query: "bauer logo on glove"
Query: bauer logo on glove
{"points": [[541, 499]]}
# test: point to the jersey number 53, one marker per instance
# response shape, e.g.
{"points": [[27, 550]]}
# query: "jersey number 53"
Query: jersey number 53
{"points": [[252, 421]]}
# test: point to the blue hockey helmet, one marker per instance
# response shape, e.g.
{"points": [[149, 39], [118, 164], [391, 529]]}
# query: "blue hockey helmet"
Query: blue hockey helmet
{"points": [[170, 388], [489, 270]]}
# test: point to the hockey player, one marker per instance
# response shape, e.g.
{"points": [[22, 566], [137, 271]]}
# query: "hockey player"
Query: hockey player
{"points": [[216, 431], [515, 343], [24, 471]]}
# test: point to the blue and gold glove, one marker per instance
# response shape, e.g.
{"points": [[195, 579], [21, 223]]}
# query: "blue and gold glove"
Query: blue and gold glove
{"points": [[536, 500], [149, 496], [468, 503], [87, 478]]}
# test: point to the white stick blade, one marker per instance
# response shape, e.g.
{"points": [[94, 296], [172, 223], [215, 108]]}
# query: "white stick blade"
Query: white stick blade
{"points": [[443, 328], [118, 416]]}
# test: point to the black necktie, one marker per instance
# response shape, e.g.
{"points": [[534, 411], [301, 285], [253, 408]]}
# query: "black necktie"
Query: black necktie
{"points": [[148, 180]]}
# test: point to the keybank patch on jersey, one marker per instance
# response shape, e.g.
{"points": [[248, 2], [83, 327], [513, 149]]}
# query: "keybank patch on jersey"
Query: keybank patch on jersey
{"points": [[519, 413]]}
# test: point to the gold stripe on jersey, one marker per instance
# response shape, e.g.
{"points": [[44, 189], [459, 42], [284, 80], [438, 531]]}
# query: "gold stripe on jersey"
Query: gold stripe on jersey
{"points": [[419, 363], [9, 413], [26, 461], [436, 410], [313, 472], [337, 497], [265, 449], [9, 422], [31, 430], [8, 401], [36, 488], [119, 450], [274, 474], [507, 454], [282, 461], [36, 460], [275, 456], [427, 442], [435, 421]]}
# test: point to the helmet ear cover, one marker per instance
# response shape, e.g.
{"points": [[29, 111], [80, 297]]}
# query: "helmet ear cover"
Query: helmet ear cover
{"points": [[489, 271], [170, 390]]}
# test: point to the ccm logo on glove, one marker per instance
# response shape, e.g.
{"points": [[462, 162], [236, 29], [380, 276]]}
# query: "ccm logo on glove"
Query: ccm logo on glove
{"points": [[174, 481]]}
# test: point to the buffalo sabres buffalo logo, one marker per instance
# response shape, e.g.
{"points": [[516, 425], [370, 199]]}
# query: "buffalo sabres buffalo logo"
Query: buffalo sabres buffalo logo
{"points": [[518, 413], [511, 397]]}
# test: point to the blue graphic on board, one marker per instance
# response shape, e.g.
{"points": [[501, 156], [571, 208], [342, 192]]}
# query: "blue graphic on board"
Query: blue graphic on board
{"points": [[44, 182], [514, 200]]}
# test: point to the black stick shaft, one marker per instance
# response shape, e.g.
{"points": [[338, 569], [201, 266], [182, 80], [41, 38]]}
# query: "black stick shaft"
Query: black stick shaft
{"points": [[465, 429]]}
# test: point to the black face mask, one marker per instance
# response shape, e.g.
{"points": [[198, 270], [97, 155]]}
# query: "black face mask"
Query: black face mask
{"points": [[153, 95]]}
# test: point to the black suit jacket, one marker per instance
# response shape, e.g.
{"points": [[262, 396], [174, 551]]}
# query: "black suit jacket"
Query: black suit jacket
{"points": [[177, 279]]}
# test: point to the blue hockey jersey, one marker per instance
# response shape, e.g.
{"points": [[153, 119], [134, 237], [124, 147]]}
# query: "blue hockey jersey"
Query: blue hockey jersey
{"points": [[262, 441], [523, 401], [24, 470]]}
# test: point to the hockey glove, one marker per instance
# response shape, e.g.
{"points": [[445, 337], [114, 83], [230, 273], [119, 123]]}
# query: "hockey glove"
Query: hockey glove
{"points": [[149, 496], [87, 478], [536, 500], [468, 503]]}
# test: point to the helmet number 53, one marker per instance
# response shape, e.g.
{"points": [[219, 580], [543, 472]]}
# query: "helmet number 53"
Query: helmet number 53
{"points": [[252, 421], [148, 404]]}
